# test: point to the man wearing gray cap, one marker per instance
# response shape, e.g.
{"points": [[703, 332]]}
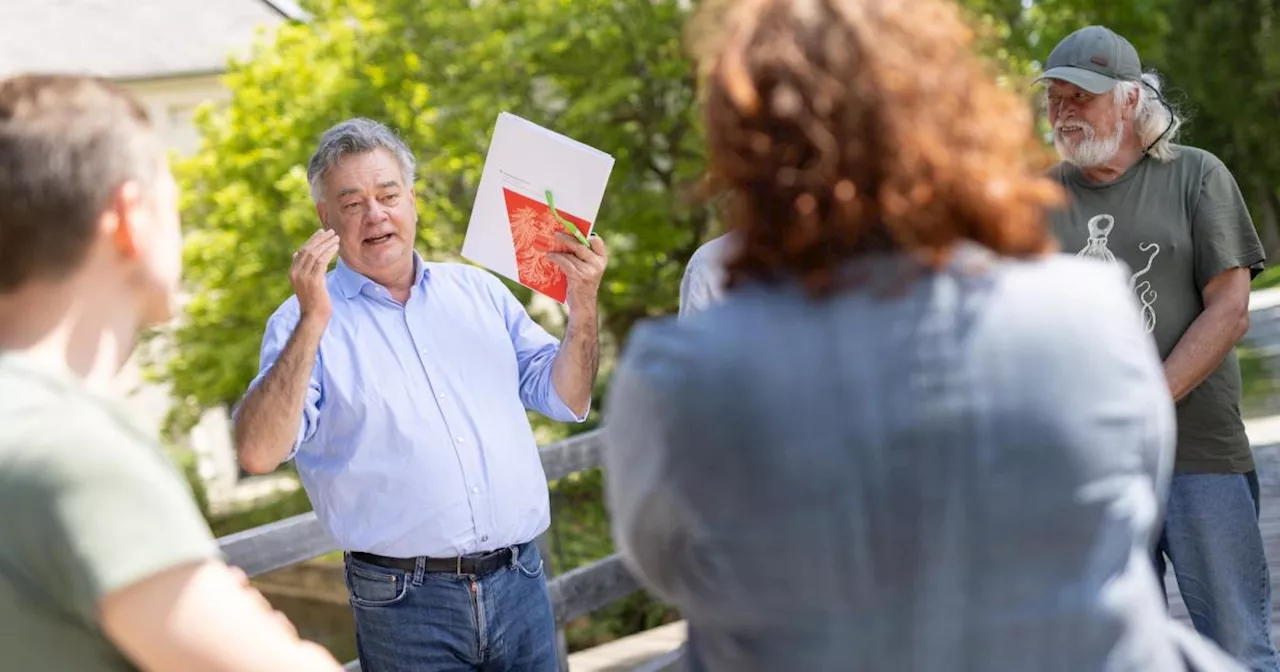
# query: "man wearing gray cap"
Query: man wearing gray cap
{"points": [[1174, 216]]}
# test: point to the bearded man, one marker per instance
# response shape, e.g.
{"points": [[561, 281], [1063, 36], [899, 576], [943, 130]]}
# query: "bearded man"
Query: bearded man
{"points": [[1174, 216]]}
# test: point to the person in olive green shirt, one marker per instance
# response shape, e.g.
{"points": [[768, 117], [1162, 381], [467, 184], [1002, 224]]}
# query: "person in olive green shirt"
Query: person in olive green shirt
{"points": [[105, 561], [1174, 218]]}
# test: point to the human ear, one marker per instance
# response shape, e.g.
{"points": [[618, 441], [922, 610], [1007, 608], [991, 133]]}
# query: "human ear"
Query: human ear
{"points": [[320, 213], [123, 217]]}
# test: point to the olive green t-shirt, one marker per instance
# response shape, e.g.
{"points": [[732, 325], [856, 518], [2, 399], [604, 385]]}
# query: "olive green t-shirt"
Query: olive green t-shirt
{"points": [[88, 505], [1175, 225]]}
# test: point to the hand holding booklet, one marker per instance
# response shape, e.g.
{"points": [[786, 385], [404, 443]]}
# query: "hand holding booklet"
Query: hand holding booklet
{"points": [[535, 183]]}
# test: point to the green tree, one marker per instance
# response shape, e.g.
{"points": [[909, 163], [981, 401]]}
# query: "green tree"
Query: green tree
{"points": [[613, 75], [1226, 66]]}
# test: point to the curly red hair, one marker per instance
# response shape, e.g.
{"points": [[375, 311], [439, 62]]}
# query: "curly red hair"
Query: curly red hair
{"points": [[842, 127]]}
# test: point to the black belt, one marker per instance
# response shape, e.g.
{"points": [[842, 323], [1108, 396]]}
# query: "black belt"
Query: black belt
{"points": [[483, 563]]}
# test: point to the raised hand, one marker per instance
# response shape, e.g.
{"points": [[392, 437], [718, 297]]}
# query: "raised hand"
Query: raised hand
{"points": [[307, 275]]}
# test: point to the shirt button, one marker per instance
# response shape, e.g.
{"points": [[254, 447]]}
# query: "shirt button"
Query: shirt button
{"points": [[475, 489], [460, 440], [484, 538], [439, 396]]}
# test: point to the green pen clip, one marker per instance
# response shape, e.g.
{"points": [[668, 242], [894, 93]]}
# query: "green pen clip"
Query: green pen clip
{"points": [[568, 225]]}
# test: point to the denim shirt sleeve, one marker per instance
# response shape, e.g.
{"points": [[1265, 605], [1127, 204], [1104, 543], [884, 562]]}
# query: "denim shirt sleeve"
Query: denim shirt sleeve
{"points": [[276, 335], [650, 520], [536, 351]]}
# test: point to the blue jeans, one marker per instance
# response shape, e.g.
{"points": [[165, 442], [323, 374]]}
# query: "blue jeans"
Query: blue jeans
{"points": [[1211, 538], [411, 621]]}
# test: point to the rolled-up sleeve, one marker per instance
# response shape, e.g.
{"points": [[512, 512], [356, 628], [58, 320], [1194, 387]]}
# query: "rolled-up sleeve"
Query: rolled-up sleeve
{"points": [[274, 339], [536, 351]]}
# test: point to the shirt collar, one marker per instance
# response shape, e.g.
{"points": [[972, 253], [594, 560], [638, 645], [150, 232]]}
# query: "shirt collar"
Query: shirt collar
{"points": [[350, 282]]}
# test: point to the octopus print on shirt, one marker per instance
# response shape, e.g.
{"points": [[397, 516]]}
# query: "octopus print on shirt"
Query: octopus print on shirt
{"points": [[1173, 227], [1096, 248]]}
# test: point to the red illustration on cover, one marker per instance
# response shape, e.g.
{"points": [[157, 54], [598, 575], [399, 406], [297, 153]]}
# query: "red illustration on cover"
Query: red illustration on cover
{"points": [[533, 230], [531, 175]]}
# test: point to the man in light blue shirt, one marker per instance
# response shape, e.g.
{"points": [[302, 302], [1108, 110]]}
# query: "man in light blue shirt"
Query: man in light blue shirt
{"points": [[399, 388]]}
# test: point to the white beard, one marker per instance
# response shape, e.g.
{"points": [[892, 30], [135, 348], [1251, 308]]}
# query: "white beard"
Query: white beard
{"points": [[1090, 152]]}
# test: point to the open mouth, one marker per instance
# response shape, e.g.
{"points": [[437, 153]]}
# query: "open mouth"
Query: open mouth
{"points": [[378, 240]]}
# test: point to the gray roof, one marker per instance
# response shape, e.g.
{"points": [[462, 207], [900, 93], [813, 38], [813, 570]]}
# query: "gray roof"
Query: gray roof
{"points": [[132, 39]]}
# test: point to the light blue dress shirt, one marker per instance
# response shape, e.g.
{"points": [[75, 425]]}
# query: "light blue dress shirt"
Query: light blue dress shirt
{"points": [[414, 438]]}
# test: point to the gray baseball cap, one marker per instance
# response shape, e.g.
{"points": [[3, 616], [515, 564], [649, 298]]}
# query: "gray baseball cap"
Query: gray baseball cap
{"points": [[1095, 59]]}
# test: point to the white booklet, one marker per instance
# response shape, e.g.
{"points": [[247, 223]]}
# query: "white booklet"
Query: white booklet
{"points": [[535, 182]]}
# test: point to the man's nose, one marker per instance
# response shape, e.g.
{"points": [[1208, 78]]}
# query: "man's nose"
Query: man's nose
{"points": [[376, 213]]}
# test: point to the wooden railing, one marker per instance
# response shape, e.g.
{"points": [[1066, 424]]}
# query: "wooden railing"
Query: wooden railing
{"points": [[591, 587], [573, 594]]}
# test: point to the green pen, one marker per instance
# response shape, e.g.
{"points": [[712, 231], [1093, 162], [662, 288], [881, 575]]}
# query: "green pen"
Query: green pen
{"points": [[568, 225]]}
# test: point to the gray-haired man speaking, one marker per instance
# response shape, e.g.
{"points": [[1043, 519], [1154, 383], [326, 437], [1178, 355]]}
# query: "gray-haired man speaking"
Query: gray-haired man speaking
{"points": [[1174, 216], [399, 387]]}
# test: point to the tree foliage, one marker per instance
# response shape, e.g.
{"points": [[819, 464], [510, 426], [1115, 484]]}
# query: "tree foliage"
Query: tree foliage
{"points": [[1227, 66], [613, 74]]}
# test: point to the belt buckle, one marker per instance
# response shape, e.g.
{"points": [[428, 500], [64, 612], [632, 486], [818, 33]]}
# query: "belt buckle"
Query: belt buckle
{"points": [[457, 565]]}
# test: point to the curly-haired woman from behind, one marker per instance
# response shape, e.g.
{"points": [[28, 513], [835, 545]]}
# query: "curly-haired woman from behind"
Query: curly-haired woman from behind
{"points": [[913, 436]]}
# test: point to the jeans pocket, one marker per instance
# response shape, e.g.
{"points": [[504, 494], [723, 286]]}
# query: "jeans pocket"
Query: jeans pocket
{"points": [[375, 587], [529, 563]]}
